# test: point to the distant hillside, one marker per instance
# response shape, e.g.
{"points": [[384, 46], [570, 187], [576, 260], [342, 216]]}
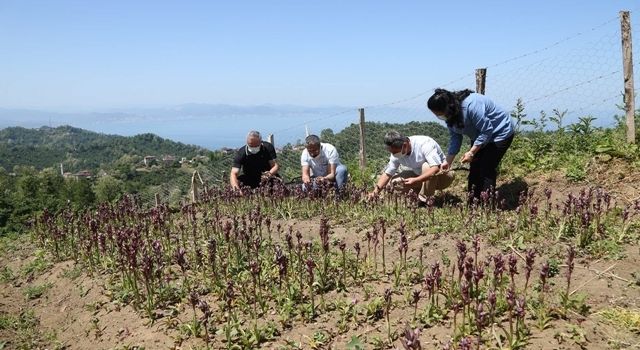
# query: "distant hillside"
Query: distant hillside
{"points": [[80, 149]]}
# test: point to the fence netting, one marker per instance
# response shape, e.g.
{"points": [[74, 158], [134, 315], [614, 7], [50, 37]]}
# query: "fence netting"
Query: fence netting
{"points": [[578, 76]]}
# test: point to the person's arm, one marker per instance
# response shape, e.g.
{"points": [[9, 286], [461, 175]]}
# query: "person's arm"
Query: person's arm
{"points": [[233, 178], [455, 142], [331, 172], [427, 172], [383, 180], [333, 159], [306, 174], [238, 160], [468, 156], [274, 167], [273, 164], [450, 158], [477, 116]]}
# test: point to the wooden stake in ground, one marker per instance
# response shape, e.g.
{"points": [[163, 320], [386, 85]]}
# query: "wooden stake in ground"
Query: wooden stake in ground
{"points": [[627, 63]]}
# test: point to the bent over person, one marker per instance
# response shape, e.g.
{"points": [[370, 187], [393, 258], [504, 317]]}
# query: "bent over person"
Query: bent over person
{"points": [[257, 159], [321, 163], [489, 127], [423, 157]]}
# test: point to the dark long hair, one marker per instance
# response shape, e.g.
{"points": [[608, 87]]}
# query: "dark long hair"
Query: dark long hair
{"points": [[449, 103]]}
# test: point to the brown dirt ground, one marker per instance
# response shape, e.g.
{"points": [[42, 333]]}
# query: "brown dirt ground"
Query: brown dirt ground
{"points": [[76, 312]]}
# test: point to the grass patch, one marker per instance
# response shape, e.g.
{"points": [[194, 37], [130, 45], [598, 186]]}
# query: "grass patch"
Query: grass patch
{"points": [[25, 321], [7, 321], [622, 318], [35, 292], [36, 266], [6, 274], [10, 242], [72, 273], [23, 329]]}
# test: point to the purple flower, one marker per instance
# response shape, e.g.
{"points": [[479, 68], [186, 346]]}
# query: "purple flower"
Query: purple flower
{"points": [[387, 296], [180, 258], [465, 344], [492, 298], [498, 263], [416, 296], [411, 339], [544, 272], [513, 265]]}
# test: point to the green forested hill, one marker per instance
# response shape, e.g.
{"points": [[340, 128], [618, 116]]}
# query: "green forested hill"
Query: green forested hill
{"points": [[347, 140], [79, 149]]}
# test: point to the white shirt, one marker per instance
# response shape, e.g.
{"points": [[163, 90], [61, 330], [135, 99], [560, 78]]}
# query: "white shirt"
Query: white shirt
{"points": [[423, 150], [320, 164]]}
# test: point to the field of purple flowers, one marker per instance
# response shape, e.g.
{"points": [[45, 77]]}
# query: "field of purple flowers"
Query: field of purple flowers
{"points": [[286, 269]]}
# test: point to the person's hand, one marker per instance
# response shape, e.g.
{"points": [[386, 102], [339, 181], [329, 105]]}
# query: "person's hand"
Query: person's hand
{"points": [[445, 166], [410, 181], [372, 196], [236, 189], [467, 157], [320, 179], [397, 183], [266, 175], [306, 180]]}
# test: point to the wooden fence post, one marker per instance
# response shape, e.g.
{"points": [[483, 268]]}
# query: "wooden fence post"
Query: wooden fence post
{"points": [[481, 80], [157, 198], [363, 159], [270, 139], [194, 187], [627, 63]]}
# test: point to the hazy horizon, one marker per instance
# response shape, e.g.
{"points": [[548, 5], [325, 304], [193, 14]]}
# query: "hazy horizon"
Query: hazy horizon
{"points": [[126, 67], [217, 126]]}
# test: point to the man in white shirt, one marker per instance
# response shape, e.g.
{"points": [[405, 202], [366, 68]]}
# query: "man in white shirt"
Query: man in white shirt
{"points": [[423, 156], [321, 163]]}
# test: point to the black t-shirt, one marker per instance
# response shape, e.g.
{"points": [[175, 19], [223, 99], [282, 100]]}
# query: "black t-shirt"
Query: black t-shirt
{"points": [[254, 165]]}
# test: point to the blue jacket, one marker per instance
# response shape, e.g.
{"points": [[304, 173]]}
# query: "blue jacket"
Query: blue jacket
{"points": [[484, 122]]}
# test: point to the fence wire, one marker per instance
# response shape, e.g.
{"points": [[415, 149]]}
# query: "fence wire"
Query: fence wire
{"points": [[577, 76]]}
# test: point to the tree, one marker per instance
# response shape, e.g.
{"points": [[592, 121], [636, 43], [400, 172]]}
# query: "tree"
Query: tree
{"points": [[79, 193], [108, 189], [327, 135], [50, 190], [6, 206]]}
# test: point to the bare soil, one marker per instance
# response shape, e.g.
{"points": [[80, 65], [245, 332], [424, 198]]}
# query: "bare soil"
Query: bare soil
{"points": [[76, 311]]}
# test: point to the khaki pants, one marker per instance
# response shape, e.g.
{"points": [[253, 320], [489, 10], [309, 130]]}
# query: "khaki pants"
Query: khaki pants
{"points": [[424, 189]]}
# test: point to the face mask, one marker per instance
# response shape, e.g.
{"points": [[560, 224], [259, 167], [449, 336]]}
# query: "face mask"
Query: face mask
{"points": [[442, 117], [253, 150], [400, 154]]}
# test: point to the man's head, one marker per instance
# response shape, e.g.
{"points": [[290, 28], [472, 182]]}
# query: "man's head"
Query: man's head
{"points": [[312, 143], [254, 140], [397, 144]]}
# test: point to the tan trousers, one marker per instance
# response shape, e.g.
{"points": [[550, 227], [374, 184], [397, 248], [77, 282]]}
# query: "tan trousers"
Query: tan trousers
{"points": [[425, 189]]}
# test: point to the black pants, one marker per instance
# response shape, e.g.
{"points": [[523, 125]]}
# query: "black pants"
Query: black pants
{"points": [[484, 166]]}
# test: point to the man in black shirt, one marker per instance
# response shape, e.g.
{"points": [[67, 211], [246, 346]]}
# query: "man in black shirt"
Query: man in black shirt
{"points": [[257, 159]]}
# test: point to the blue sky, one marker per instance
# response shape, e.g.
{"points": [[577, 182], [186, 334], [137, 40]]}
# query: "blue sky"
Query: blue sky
{"points": [[97, 55]]}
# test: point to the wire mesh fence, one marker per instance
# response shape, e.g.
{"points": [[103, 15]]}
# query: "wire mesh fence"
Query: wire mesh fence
{"points": [[580, 75]]}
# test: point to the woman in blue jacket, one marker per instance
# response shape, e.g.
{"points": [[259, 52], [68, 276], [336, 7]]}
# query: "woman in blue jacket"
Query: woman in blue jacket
{"points": [[489, 127]]}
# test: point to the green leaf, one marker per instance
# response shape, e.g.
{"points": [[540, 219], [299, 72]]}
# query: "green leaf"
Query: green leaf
{"points": [[355, 344]]}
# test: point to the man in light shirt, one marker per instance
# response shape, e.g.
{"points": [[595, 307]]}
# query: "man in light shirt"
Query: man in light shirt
{"points": [[321, 163], [423, 157]]}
